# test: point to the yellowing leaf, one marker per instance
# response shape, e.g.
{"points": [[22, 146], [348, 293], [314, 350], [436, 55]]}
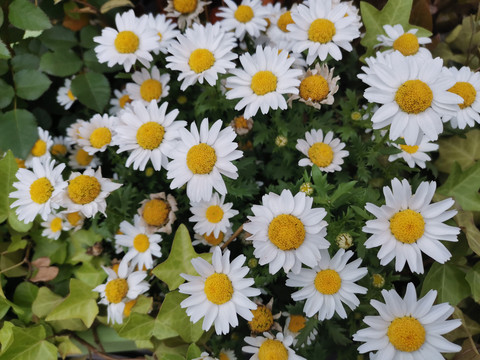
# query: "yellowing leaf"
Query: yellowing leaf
{"points": [[112, 4]]}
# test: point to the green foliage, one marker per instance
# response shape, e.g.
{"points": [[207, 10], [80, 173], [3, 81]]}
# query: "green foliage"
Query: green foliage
{"points": [[463, 187], [449, 281], [18, 132], [473, 279], [8, 169], [92, 90], [29, 344], [25, 15], [30, 84], [462, 150], [58, 38], [60, 63], [6, 94], [466, 222]]}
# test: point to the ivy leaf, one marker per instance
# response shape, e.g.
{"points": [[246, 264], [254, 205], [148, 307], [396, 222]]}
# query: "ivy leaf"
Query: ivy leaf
{"points": [[193, 352], [92, 90], [24, 295], [464, 151], [449, 281], [31, 84], [29, 344], [8, 169], [179, 260], [45, 302], [473, 279], [90, 274], [466, 222], [60, 63], [136, 327], [25, 15], [18, 132], [66, 347]]}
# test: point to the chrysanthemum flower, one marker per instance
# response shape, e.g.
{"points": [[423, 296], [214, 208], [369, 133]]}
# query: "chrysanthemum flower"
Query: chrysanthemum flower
{"points": [[407, 43], [409, 225], [166, 30], [414, 154], [287, 232], [325, 152], [79, 159], [219, 293], [408, 328], [294, 324], [186, 11], [120, 100], [72, 132], [41, 148], [97, 134], [265, 77], [53, 226], [157, 213], [60, 146], [277, 32], [209, 239], [73, 220], [201, 158], [269, 347], [263, 318], [37, 190], [248, 17], [148, 85], [201, 54], [329, 285], [226, 354], [133, 40], [65, 96], [148, 133]]}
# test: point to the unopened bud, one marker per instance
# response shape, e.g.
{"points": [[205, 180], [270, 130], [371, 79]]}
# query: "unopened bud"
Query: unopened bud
{"points": [[344, 240]]}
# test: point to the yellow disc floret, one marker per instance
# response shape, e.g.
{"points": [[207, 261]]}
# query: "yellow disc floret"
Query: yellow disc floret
{"points": [[407, 226], [83, 189], [244, 13], [272, 350], [314, 87], [284, 20], [287, 232], [185, 6], [218, 288], [223, 356], [320, 154], [466, 91], [214, 214], [20, 163], [126, 42], [297, 323], [262, 319], [151, 89], [58, 150], [100, 137], [201, 159], [328, 282], [56, 225], [141, 243], [240, 122], [70, 95], [407, 44], [212, 240], [41, 190], [155, 212], [150, 135], [263, 82], [74, 218], [411, 149], [39, 148], [128, 307], [116, 290], [124, 100], [201, 60], [83, 158], [321, 31], [414, 96], [406, 334]]}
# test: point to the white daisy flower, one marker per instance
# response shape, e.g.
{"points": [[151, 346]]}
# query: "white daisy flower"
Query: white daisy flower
{"points": [[325, 152], [37, 190], [219, 293], [120, 100], [166, 31], [212, 216], [201, 54], [72, 220], [408, 225], [294, 324], [148, 85], [414, 155], [329, 285], [209, 239], [65, 96], [287, 232], [263, 319], [277, 32], [226, 354], [141, 244], [414, 95], [205, 356], [468, 87], [323, 29], [53, 226], [60, 146], [119, 289], [265, 77], [133, 40], [148, 133], [408, 328], [248, 17], [79, 159], [407, 43], [157, 213], [186, 11], [72, 132], [270, 347], [41, 148], [87, 192], [97, 134], [201, 158]]}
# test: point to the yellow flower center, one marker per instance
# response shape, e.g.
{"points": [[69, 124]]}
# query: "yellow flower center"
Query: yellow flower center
{"points": [[150, 135], [407, 44], [223, 356], [284, 20], [411, 149], [244, 13], [115, 268], [321, 154], [116, 290], [201, 60], [406, 334], [20, 163], [141, 243], [378, 280], [212, 240], [414, 96], [124, 100], [272, 350], [262, 319], [126, 42], [127, 310], [83, 158], [328, 282], [56, 225], [151, 89], [218, 288], [241, 122], [74, 218], [39, 148], [201, 159], [407, 226], [321, 30], [58, 150], [314, 87], [155, 212], [70, 95], [214, 214], [356, 115], [287, 232], [83, 189], [466, 91], [41, 190], [185, 6], [100, 137], [297, 323], [263, 82]]}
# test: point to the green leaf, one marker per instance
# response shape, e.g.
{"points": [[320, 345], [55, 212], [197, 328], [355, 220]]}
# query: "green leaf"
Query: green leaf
{"points": [[449, 281], [92, 90], [45, 302], [66, 347], [136, 327], [112, 4], [86, 36], [1, 17], [193, 352], [17, 244], [58, 38], [16, 224], [4, 53], [179, 260], [6, 94], [464, 151], [60, 63], [56, 250], [25, 15], [143, 305], [8, 169], [78, 244], [31, 84], [29, 344], [463, 186], [79, 304], [25, 61], [90, 275], [466, 222], [24, 295], [473, 279], [6, 335]]}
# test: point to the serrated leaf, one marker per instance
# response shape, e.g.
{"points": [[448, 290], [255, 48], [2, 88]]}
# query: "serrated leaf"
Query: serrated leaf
{"points": [[464, 151], [136, 327], [31, 84], [8, 169], [25, 15], [473, 279], [58, 38], [29, 344], [112, 4], [92, 90], [449, 281], [60, 63], [45, 302]]}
